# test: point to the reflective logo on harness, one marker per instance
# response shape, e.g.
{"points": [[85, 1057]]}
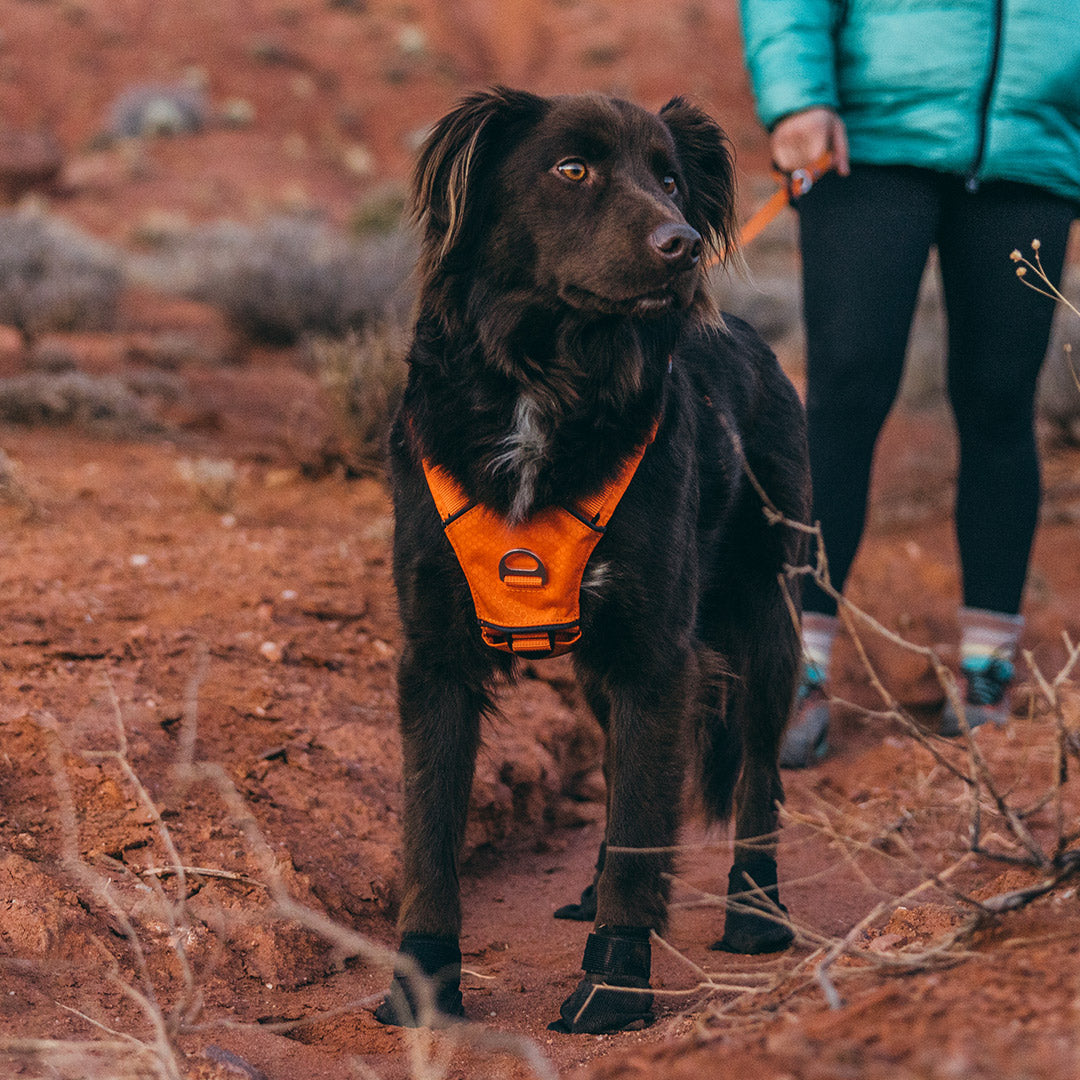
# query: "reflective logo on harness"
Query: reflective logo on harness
{"points": [[526, 579]]}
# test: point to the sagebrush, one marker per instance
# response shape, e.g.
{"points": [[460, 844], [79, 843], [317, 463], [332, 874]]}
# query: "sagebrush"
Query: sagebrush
{"points": [[363, 377], [54, 277], [287, 278]]}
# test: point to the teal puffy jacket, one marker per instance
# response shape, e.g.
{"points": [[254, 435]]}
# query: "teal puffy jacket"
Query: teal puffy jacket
{"points": [[987, 89]]}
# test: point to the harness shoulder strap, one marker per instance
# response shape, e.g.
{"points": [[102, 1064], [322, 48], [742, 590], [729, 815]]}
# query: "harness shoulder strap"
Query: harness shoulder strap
{"points": [[451, 499], [597, 509]]}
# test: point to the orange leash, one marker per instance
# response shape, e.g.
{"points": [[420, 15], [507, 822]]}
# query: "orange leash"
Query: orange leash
{"points": [[791, 187]]}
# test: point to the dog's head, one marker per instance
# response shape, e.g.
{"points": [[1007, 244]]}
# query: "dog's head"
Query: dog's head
{"points": [[583, 201]]}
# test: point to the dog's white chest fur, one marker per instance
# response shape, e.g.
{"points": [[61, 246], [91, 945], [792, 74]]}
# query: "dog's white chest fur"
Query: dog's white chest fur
{"points": [[596, 579], [523, 452]]}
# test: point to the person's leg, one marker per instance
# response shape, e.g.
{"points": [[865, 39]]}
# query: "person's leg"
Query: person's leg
{"points": [[998, 333], [864, 239]]}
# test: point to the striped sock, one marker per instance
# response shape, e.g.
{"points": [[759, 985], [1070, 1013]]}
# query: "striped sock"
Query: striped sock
{"points": [[986, 636], [988, 644], [818, 634]]}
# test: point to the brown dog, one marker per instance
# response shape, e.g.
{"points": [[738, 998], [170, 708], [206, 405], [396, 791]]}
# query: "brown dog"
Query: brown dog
{"points": [[564, 333]]}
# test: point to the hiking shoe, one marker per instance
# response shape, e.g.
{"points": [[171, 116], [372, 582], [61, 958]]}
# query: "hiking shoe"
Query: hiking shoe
{"points": [[805, 741], [986, 694]]}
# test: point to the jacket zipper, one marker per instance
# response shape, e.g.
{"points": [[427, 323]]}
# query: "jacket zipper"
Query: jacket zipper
{"points": [[972, 183]]}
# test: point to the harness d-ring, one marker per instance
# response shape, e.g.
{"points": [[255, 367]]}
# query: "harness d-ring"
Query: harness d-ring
{"points": [[533, 576]]}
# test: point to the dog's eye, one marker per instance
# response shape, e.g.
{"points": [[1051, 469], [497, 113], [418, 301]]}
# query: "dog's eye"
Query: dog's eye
{"points": [[669, 184], [572, 170]]}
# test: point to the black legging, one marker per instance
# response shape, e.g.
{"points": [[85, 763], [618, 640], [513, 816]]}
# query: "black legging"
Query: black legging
{"points": [[865, 241]]}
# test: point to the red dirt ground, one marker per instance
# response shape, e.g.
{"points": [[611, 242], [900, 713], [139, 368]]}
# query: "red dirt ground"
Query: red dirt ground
{"points": [[252, 624]]}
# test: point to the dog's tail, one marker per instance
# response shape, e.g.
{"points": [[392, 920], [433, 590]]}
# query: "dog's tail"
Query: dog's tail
{"points": [[718, 741]]}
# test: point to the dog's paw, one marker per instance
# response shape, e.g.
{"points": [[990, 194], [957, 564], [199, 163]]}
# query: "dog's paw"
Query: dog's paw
{"points": [[427, 992], [749, 933], [756, 920], [614, 994], [583, 911], [402, 1007], [594, 1010]]}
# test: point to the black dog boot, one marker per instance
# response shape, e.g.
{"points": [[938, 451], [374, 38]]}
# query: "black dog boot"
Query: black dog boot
{"points": [[618, 956], [436, 959], [746, 931]]}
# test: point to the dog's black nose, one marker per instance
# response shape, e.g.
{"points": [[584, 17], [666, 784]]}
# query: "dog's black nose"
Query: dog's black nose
{"points": [[679, 246]]}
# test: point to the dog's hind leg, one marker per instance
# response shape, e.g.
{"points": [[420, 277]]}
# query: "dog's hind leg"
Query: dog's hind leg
{"points": [[440, 723], [764, 653], [645, 773], [584, 909]]}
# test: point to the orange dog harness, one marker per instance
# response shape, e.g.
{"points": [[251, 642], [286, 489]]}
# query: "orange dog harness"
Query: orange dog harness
{"points": [[526, 579]]}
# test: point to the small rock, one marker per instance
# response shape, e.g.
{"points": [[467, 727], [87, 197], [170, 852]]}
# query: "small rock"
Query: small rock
{"points": [[359, 160], [237, 113], [887, 942], [272, 651], [412, 41]]}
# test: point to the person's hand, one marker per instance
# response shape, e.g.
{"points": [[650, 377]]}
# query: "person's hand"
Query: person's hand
{"points": [[802, 137]]}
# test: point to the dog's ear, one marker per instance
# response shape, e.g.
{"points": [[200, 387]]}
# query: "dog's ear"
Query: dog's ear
{"points": [[708, 166], [458, 156]]}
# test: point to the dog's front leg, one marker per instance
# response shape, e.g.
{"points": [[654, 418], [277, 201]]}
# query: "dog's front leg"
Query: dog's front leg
{"points": [[645, 771], [440, 723]]}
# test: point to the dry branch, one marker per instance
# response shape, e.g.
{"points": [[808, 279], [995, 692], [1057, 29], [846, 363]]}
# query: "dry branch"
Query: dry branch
{"points": [[158, 1056]]}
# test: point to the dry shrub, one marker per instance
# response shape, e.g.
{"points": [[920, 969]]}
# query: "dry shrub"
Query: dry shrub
{"points": [[53, 277], [101, 403], [213, 481], [172, 350], [998, 818], [13, 491], [363, 377], [55, 1059], [148, 111], [287, 278], [381, 212], [926, 852], [1059, 384]]}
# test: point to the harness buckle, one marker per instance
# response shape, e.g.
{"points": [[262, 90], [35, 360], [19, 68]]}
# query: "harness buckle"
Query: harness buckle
{"points": [[535, 643]]}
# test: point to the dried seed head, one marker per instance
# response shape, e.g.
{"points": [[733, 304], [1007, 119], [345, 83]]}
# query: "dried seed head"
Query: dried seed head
{"points": [[1035, 245], [1015, 255], [1021, 271]]}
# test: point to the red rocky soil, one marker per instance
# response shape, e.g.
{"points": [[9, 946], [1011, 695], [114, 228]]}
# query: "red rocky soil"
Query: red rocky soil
{"points": [[156, 610]]}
